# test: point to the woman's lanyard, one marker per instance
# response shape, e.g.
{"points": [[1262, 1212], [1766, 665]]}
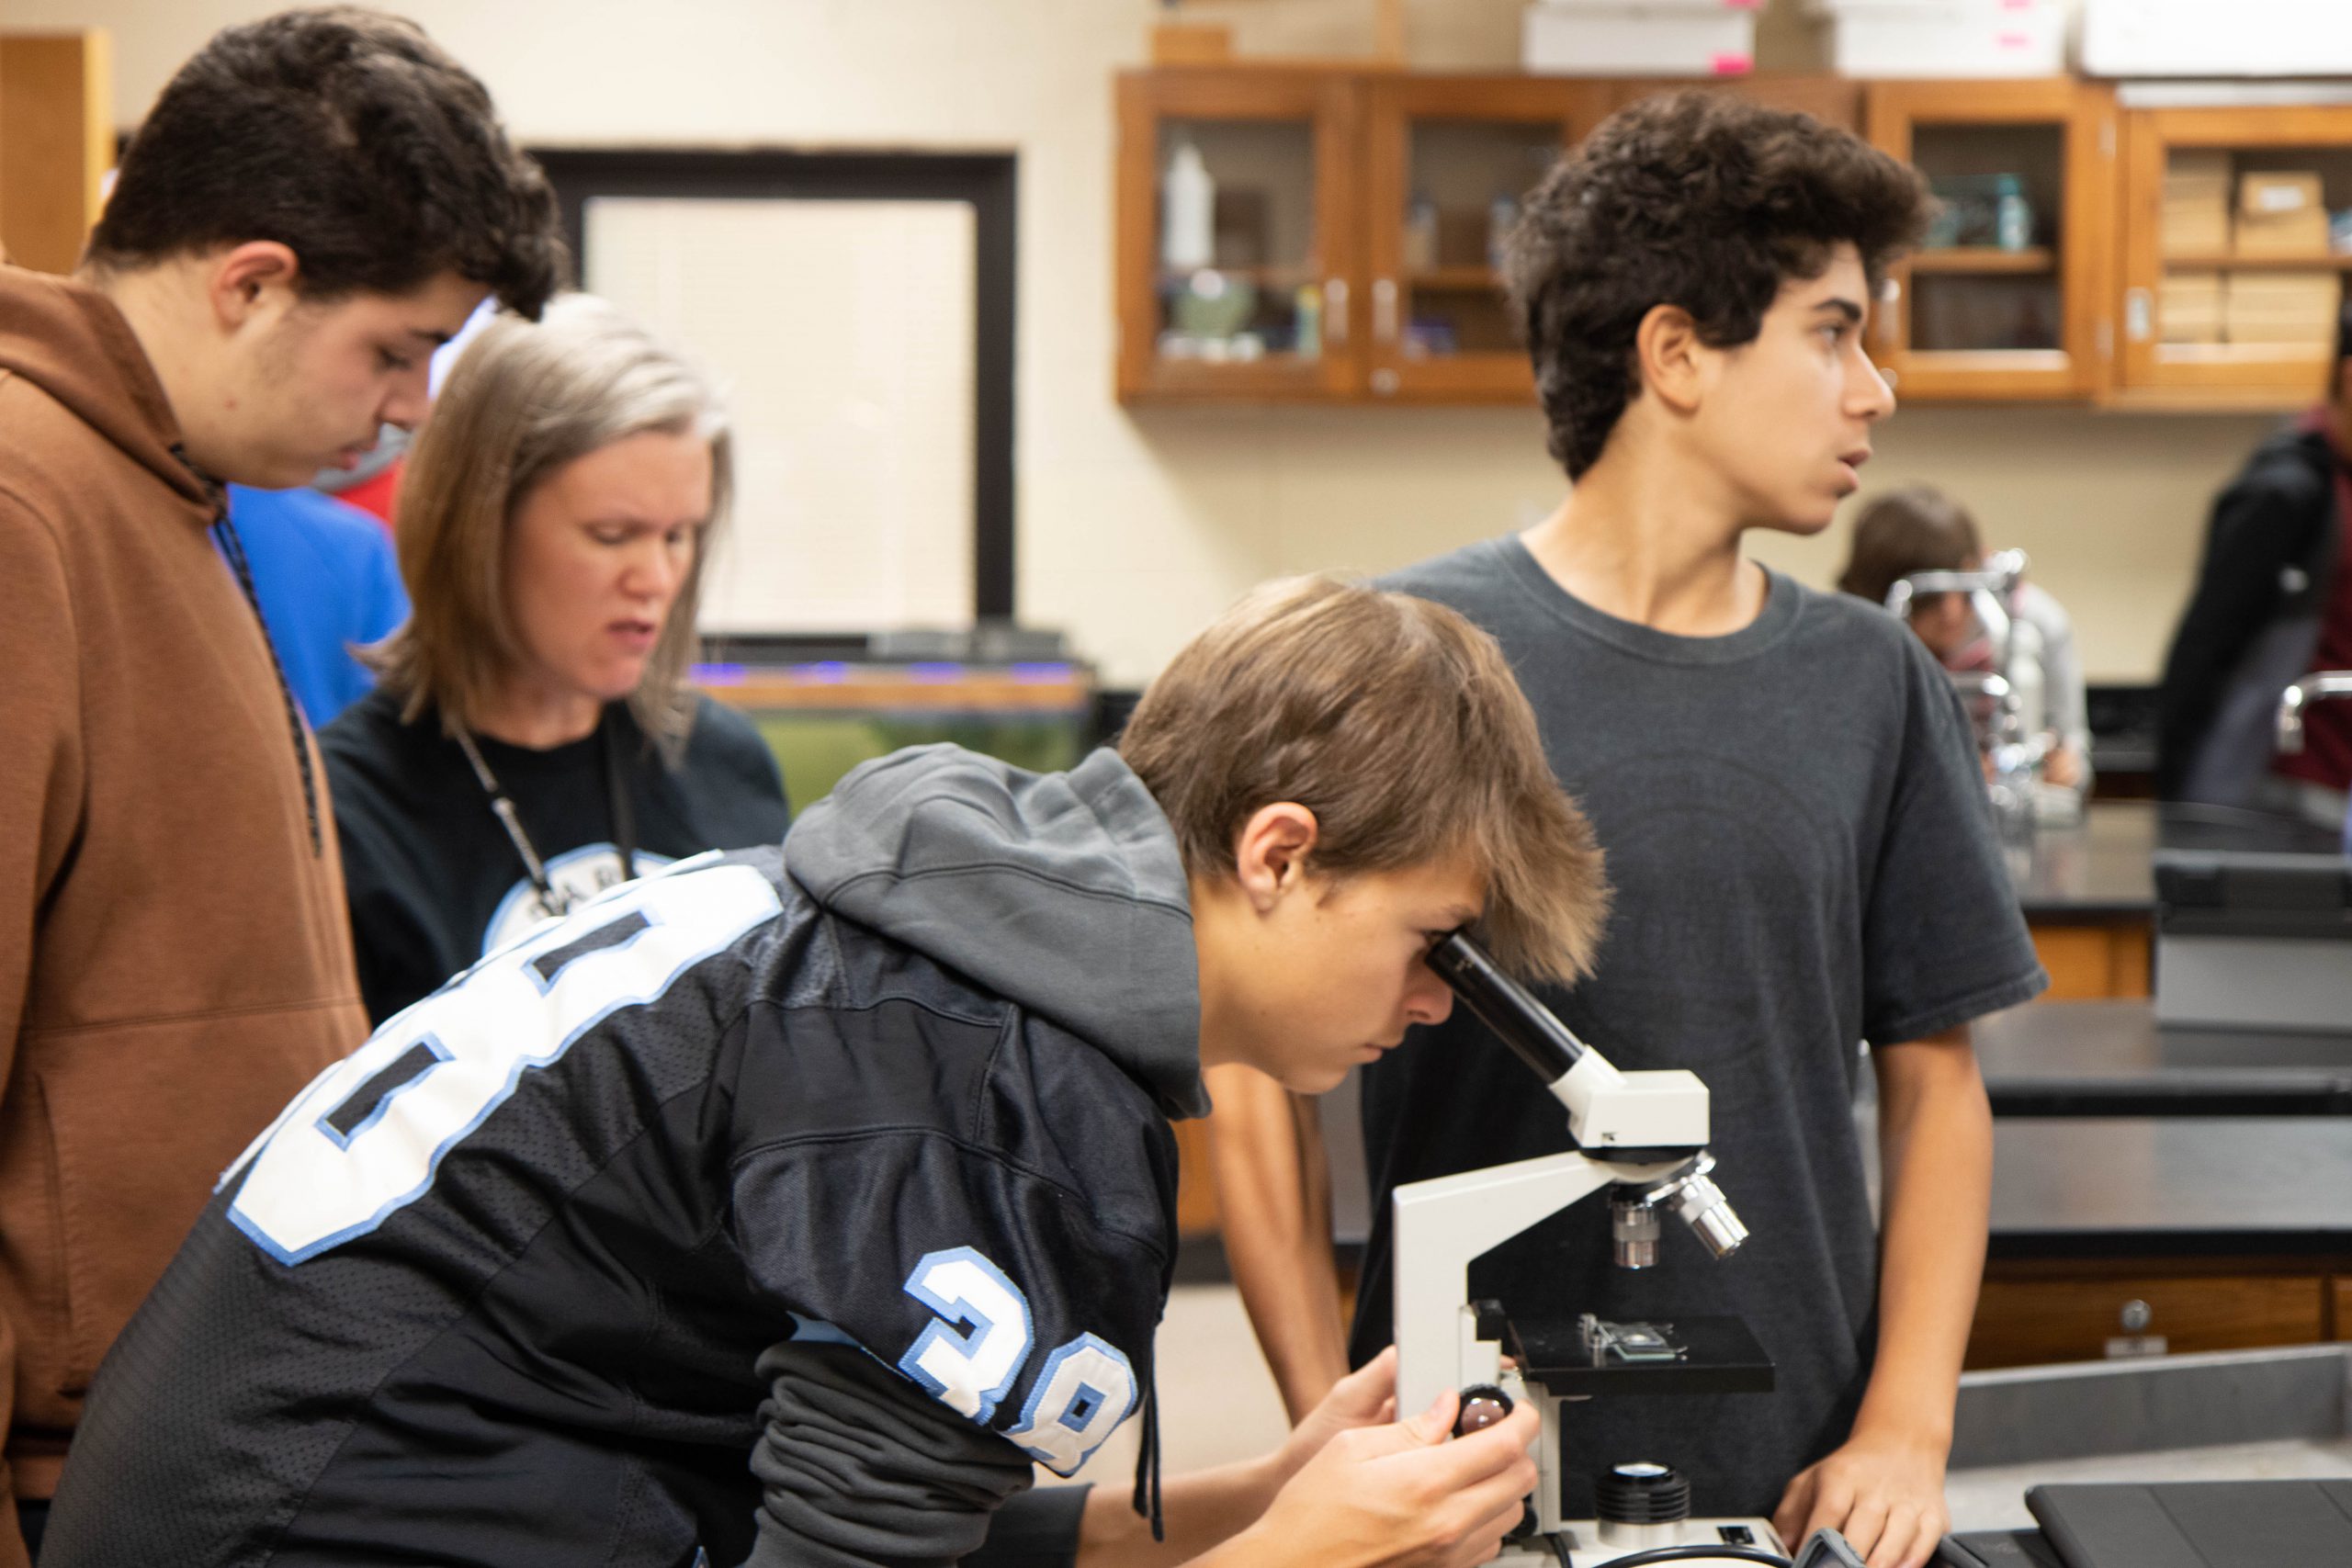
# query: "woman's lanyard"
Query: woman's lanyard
{"points": [[554, 900]]}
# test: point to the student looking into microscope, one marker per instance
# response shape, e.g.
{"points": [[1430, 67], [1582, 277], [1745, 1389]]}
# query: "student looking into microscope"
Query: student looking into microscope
{"points": [[1919, 528], [1786, 787]]}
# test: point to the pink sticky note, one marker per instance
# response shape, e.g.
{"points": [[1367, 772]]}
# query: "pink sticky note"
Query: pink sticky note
{"points": [[1731, 62]]}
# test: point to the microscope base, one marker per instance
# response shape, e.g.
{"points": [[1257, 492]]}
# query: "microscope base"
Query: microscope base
{"points": [[1585, 1549]]}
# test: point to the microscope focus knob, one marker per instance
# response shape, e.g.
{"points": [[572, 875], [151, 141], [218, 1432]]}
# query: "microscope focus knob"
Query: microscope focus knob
{"points": [[1483, 1406]]}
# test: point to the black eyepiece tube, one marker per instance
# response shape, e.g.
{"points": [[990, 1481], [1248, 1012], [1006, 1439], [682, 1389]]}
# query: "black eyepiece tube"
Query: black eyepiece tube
{"points": [[1505, 1006]]}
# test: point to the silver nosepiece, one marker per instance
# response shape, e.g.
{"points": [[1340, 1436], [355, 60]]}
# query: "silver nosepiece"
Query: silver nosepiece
{"points": [[1632, 1224], [1704, 1209], [1690, 1192]]}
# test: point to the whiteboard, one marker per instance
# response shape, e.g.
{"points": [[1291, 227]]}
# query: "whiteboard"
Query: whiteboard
{"points": [[841, 334]]}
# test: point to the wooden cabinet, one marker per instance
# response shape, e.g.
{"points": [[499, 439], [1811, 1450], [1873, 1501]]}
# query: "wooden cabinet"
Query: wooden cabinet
{"points": [[2030, 1315], [2122, 247], [1260, 301], [56, 144], [2093, 960], [2010, 298], [1356, 218], [1446, 162], [2229, 287], [1196, 1204]]}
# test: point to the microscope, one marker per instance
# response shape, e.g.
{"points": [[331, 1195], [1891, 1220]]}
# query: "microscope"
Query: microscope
{"points": [[1642, 1136], [2008, 704]]}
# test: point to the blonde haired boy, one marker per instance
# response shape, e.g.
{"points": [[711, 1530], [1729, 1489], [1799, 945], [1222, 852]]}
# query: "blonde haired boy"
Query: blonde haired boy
{"points": [[783, 1208]]}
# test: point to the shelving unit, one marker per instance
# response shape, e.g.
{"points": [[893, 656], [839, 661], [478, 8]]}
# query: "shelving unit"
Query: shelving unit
{"points": [[2226, 144], [1456, 279], [1401, 182], [1379, 165], [1986, 261], [1977, 321], [2230, 262]]}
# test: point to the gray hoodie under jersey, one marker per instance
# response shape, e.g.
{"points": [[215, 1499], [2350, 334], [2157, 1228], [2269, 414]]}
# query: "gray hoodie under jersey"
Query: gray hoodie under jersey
{"points": [[824, 1191]]}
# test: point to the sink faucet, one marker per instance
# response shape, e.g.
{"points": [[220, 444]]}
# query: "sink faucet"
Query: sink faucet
{"points": [[2312, 688]]}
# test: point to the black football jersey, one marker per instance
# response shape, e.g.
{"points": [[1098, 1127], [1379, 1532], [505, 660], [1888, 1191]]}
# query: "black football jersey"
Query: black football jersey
{"points": [[491, 1291]]}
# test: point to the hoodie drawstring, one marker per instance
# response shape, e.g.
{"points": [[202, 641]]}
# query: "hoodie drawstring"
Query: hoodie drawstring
{"points": [[234, 548], [1147, 1496]]}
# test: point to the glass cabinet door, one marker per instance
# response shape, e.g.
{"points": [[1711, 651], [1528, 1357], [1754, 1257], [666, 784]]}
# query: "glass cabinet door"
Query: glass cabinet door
{"points": [[1449, 161], [2006, 298], [2238, 241], [1233, 245]]}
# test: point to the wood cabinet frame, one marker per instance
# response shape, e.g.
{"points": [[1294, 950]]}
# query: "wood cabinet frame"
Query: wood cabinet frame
{"points": [[2080, 366], [2113, 170], [2155, 374], [1328, 102], [56, 144], [1363, 132], [1394, 106]]}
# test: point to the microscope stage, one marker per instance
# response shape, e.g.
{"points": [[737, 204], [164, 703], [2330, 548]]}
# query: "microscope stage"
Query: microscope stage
{"points": [[1718, 1355]]}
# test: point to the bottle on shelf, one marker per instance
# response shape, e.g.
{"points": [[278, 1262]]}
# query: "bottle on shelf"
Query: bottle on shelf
{"points": [[1307, 312], [1188, 217], [1502, 216], [1420, 233], [2013, 215]]}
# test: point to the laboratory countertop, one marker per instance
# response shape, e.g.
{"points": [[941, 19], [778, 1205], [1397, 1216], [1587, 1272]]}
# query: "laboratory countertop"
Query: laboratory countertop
{"points": [[2100, 870], [1992, 1496], [2174, 1187], [2109, 1058], [2093, 870]]}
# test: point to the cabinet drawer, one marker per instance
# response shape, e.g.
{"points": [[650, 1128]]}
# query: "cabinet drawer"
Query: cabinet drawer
{"points": [[2027, 1322]]}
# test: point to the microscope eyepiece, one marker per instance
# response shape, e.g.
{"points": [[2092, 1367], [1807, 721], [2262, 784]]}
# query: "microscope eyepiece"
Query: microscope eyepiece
{"points": [[1505, 1006]]}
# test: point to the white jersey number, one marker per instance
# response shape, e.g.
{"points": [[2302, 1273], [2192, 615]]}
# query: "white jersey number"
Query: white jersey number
{"points": [[970, 1358], [1084, 1393], [364, 1140]]}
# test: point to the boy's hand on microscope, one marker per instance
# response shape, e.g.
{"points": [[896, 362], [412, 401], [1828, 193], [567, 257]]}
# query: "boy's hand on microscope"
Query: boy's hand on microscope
{"points": [[1405, 1495], [1883, 1492]]}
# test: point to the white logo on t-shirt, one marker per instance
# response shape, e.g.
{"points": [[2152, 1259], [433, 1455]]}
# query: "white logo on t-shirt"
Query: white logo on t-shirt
{"points": [[578, 874]]}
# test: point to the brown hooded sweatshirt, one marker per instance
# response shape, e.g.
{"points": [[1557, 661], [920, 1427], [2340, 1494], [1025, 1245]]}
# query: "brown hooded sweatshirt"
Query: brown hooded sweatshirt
{"points": [[175, 962]]}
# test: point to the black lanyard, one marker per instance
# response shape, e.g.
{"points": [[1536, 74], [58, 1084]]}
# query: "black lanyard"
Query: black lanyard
{"points": [[616, 795]]}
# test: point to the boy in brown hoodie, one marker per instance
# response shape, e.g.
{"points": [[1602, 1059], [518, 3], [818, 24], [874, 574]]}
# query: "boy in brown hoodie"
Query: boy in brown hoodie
{"points": [[315, 203]]}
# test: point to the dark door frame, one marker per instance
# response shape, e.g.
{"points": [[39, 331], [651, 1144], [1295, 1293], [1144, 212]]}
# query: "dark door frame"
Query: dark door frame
{"points": [[988, 181]]}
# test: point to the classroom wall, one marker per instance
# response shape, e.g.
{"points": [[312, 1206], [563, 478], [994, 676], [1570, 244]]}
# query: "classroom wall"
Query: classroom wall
{"points": [[1134, 528]]}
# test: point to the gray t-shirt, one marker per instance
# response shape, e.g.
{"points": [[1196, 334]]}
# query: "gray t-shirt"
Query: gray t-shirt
{"points": [[1804, 859]]}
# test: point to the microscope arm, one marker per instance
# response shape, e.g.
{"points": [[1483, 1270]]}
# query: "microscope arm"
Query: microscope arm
{"points": [[1442, 1226]]}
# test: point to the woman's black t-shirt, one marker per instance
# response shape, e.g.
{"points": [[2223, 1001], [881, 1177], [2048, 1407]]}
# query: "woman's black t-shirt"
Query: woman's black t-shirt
{"points": [[434, 881]]}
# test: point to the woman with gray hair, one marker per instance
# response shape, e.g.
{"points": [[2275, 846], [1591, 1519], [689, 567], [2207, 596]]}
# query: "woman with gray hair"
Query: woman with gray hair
{"points": [[532, 739]]}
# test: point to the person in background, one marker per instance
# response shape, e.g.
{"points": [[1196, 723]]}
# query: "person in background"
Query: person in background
{"points": [[2273, 602], [1786, 791], [1920, 528], [313, 203], [326, 583], [533, 740]]}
